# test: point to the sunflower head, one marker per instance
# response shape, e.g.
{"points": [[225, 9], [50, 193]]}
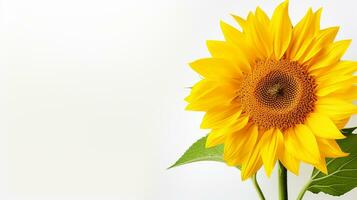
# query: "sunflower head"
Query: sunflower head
{"points": [[275, 92]]}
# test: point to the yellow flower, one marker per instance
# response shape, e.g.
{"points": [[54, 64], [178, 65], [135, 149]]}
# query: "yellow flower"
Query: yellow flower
{"points": [[273, 92]]}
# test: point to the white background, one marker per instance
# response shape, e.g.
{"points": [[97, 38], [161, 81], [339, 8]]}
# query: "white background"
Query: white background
{"points": [[92, 98]]}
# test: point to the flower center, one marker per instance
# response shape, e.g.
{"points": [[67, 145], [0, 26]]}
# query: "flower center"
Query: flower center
{"points": [[276, 90], [278, 94]]}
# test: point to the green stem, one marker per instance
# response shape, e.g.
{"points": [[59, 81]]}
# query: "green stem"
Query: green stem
{"points": [[257, 187], [283, 182], [303, 190]]}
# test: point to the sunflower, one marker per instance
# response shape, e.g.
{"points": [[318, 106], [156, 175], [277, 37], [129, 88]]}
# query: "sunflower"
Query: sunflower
{"points": [[275, 92]]}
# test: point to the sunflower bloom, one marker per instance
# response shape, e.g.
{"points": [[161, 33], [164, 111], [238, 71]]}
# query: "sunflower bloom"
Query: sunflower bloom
{"points": [[275, 92]]}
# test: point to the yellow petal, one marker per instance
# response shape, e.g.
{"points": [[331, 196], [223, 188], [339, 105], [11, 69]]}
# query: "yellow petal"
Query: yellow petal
{"points": [[341, 123], [281, 29], [289, 161], [330, 148], [321, 165], [336, 109], [215, 117], [348, 93], [218, 136], [200, 89], [220, 49], [231, 34], [345, 67], [324, 80], [239, 40], [252, 164], [337, 84], [261, 35], [324, 38], [221, 95], [221, 92], [215, 137], [242, 22], [301, 32], [271, 140], [301, 143], [239, 144], [331, 55], [309, 38], [237, 125], [262, 16], [317, 18], [216, 68], [258, 35], [249, 30], [341, 68], [234, 124], [326, 105], [323, 127]]}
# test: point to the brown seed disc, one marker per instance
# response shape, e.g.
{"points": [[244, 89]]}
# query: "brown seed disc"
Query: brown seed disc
{"points": [[277, 94]]}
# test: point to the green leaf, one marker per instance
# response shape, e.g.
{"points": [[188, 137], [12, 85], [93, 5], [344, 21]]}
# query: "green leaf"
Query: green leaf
{"points": [[198, 152], [347, 131], [342, 172]]}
